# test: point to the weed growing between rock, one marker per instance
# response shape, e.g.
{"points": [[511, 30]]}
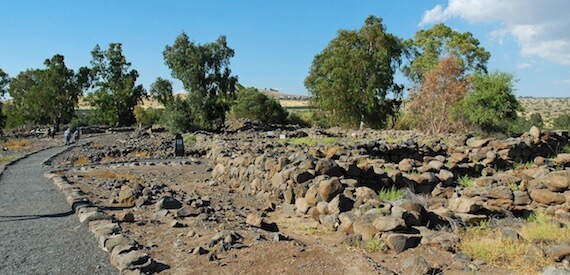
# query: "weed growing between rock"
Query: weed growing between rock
{"points": [[375, 245], [390, 194], [466, 181]]}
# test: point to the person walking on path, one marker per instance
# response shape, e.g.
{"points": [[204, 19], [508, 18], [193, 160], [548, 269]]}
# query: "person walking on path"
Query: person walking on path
{"points": [[76, 136], [67, 136]]}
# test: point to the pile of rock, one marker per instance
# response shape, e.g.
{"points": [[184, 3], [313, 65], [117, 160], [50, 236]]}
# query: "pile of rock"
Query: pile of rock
{"points": [[338, 184]]}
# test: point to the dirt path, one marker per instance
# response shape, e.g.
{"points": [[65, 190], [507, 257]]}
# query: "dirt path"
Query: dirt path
{"points": [[38, 233]]}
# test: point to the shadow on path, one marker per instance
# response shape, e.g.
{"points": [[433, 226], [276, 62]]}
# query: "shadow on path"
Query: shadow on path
{"points": [[34, 217]]}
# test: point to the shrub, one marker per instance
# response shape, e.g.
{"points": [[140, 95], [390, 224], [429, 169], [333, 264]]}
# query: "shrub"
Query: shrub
{"points": [[146, 117], [177, 117], [491, 104], [254, 105], [561, 122]]}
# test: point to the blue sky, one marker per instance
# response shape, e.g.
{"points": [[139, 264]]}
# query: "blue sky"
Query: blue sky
{"points": [[275, 41]]}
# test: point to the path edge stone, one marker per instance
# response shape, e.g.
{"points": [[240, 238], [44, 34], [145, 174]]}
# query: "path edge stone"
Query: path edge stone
{"points": [[105, 229]]}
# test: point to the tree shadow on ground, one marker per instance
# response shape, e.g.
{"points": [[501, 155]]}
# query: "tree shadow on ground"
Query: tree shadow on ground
{"points": [[11, 218]]}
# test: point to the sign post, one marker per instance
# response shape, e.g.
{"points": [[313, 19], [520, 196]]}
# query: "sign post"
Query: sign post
{"points": [[178, 146]]}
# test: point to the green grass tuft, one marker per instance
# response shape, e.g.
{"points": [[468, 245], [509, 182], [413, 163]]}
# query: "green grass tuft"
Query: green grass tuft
{"points": [[466, 181], [390, 194]]}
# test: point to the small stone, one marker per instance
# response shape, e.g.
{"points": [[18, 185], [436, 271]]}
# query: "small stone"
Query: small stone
{"points": [[328, 189], [558, 252], [464, 205], [401, 242], [199, 251], [389, 223], [167, 203], [254, 219], [546, 196], [415, 265], [177, 224], [127, 216]]}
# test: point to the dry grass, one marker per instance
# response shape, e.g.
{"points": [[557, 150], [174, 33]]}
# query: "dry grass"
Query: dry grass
{"points": [[107, 159], [106, 174], [81, 161], [525, 255], [17, 144], [294, 103], [8, 158], [548, 108]]}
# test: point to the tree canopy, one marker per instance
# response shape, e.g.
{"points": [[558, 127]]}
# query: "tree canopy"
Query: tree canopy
{"points": [[44, 96], [491, 104], [252, 104], [352, 79], [4, 81], [205, 73], [428, 47], [115, 91], [161, 91]]}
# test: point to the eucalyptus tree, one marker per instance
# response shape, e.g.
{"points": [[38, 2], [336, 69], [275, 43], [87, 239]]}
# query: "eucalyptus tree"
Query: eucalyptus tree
{"points": [[352, 79], [204, 71], [115, 93]]}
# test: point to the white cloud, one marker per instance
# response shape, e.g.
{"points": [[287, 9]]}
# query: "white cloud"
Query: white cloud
{"points": [[539, 27], [523, 65], [567, 81]]}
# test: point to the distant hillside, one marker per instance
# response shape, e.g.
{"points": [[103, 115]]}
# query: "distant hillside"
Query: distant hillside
{"points": [[547, 107]]}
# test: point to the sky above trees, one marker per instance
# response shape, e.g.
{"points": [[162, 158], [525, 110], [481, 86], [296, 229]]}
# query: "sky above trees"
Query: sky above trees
{"points": [[276, 41]]}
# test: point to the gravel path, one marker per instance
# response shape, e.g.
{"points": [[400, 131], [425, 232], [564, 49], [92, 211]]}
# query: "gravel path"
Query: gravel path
{"points": [[39, 234]]}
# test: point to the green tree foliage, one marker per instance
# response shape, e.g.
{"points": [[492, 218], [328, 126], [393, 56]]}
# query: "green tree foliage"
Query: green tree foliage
{"points": [[147, 117], [254, 105], [161, 91], [428, 47], [536, 120], [491, 105], [46, 96], [177, 117], [4, 81], [115, 93], [351, 78], [561, 122], [205, 73]]}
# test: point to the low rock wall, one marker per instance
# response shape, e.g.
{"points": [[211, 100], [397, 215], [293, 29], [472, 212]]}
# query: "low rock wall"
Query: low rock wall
{"points": [[338, 184]]}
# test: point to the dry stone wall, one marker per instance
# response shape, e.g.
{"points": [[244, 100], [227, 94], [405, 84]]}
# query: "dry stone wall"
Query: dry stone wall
{"points": [[337, 184]]}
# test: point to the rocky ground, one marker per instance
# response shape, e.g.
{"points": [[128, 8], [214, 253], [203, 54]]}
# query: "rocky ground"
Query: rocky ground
{"points": [[306, 200]]}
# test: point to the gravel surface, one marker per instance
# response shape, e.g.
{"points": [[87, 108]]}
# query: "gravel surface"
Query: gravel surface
{"points": [[39, 233]]}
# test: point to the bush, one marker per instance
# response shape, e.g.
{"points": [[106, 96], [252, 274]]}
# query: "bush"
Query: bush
{"points": [[313, 118], [561, 122], [177, 117], [536, 120], [296, 119], [146, 117], [491, 105], [252, 104]]}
